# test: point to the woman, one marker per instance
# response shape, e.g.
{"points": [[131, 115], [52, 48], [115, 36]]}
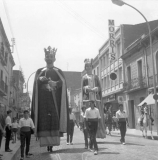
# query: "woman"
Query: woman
{"points": [[91, 90]]}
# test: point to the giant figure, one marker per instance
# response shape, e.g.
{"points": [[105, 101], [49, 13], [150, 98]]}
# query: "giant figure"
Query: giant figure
{"points": [[49, 102], [91, 91]]}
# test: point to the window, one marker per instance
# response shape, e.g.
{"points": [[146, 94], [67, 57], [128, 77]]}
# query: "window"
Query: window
{"points": [[102, 83], [108, 82], [129, 74], [118, 48], [94, 72], [105, 85], [140, 74], [120, 74], [116, 81], [98, 71], [5, 80], [1, 75], [107, 59]]}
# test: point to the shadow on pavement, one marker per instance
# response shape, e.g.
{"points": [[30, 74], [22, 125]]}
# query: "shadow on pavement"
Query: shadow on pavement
{"points": [[108, 153], [118, 143], [71, 150]]}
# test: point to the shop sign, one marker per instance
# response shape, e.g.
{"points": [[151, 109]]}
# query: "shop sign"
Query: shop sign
{"points": [[112, 97], [112, 40]]}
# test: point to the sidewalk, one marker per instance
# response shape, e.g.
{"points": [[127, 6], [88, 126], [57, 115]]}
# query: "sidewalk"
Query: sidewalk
{"points": [[136, 133], [15, 147]]}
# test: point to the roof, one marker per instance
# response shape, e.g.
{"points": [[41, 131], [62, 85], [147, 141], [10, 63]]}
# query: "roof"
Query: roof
{"points": [[133, 32], [73, 79]]}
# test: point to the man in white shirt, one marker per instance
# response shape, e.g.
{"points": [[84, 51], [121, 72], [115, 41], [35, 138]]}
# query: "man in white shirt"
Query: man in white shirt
{"points": [[122, 122], [25, 125], [8, 130], [92, 116]]}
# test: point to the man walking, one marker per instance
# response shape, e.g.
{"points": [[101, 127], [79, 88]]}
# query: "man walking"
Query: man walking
{"points": [[122, 122], [25, 125], [83, 126], [2, 124], [92, 117], [8, 131]]}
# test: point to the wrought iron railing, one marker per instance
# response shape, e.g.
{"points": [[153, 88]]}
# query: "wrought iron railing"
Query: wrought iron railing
{"points": [[135, 83]]}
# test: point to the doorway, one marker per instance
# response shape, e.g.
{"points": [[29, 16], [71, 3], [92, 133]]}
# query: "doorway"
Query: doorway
{"points": [[131, 114]]}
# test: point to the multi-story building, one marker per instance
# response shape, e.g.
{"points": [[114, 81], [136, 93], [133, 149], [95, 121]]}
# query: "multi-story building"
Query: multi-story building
{"points": [[113, 90], [19, 83], [95, 66], [139, 74], [6, 66]]}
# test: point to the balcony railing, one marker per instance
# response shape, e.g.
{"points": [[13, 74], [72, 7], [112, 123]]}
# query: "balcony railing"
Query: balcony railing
{"points": [[135, 83]]}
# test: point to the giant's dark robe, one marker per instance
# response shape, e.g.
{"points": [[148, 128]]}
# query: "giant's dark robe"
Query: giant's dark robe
{"points": [[92, 81], [49, 109]]}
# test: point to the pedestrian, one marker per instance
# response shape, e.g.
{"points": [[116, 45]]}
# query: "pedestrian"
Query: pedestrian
{"points": [[109, 120], [49, 109], [14, 129], [122, 122], [24, 130], [2, 132], [83, 126], [8, 131], [72, 123], [92, 118]]}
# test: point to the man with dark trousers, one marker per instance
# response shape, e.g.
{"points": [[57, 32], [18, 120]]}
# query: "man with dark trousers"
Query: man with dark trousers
{"points": [[2, 124], [25, 125], [8, 131], [122, 122], [92, 116]]}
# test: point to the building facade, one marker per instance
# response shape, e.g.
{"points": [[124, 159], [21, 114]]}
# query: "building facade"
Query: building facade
{"points": [[139, 75], [6, 67], [115, 91]]}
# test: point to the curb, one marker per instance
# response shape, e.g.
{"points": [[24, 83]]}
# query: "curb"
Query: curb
{"points": [[16, 155]]}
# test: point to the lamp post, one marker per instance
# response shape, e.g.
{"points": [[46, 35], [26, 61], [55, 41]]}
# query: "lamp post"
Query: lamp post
{"points": [[121, 3], [28, 80]]}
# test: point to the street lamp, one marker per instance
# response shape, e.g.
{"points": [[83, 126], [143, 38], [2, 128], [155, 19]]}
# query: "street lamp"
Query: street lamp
{"points": [[121, 3], [28, 80]]}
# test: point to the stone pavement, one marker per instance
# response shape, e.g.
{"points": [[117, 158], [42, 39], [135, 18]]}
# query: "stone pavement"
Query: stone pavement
{"points": [[136, 148], [136, 133], [10, 155]]}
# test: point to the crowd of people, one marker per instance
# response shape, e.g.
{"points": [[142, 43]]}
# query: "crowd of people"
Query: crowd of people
{"points": [[16, 130], [51, 116]]}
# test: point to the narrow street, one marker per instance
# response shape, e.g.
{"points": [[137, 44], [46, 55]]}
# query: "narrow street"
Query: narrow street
{"points": [[109, 148]]}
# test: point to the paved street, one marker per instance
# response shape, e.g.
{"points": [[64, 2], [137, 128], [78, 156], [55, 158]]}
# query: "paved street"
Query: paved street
{"points": [[109, 148]]}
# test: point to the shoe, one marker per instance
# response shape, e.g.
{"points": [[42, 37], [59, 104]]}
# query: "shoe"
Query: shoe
{"points": [[51, 149], [22, 158], [30, 154], [8, 150], [71, 143], [27, 156], [95, 152], [91, 149], [48, 149], [123, 143], [67, 143]]}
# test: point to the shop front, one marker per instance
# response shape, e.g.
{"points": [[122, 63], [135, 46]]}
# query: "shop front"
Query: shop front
{"points": [[112, 101]]}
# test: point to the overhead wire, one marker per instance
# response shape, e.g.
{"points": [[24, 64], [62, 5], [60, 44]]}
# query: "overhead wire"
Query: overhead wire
{"points": [[10, 27], [80, 19]]}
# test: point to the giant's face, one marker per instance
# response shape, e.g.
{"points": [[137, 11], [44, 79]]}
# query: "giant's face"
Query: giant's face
{"points": [[88, 68], [50, 59]]}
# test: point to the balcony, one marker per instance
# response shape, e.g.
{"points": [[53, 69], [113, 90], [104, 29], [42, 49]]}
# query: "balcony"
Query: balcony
{"points": [[3, 88], [135, 84], [3, 57]]}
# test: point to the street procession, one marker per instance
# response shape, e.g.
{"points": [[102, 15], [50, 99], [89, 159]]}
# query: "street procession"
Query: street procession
{"points": [[78, 80]]}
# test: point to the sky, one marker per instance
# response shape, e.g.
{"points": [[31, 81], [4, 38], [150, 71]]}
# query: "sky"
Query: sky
{"points": [[77, 28]]}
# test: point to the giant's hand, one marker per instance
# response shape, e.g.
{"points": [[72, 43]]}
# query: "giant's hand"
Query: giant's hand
{"points": [[43, 78], [52, 83]]}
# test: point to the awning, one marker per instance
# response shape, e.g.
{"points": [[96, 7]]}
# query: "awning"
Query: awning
{"points": [[149, 100]]}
